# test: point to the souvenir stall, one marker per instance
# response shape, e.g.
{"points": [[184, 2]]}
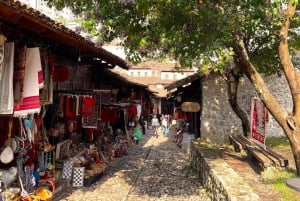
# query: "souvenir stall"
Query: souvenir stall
{"points": [[48, 135], [26, 159], [186, 97], [118, 121], [56, 128], [72, 124]]}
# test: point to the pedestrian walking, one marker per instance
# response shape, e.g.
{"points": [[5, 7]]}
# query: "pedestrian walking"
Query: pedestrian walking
{"points": [[142, 123], [164, 124], [179, 134], [155, 124]]}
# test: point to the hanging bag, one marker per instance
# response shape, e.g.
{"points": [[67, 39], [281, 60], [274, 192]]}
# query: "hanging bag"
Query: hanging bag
{"points": [[17, 143], [7, 154]]}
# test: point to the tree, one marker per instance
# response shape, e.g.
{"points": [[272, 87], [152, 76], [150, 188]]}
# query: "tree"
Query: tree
{"points": [[257, 34]]}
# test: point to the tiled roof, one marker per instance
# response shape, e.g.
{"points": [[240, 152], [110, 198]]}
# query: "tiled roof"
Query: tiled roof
{"points": [[182, 82], [151, 82], [24, 18], [163, 66], [125, 78]]}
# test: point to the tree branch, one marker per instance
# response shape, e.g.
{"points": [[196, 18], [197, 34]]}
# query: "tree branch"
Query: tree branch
{"points": [[284, 55], [275, 108]]}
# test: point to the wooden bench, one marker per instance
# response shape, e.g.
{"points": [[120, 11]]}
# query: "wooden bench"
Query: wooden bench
{"points": [[266, 157], [239, 142]]}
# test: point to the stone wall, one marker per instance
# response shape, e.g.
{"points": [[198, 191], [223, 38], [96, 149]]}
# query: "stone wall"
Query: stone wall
{"points": [[217, 118], [218, 178]]}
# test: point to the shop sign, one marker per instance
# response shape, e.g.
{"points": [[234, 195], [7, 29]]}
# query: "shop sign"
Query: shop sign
{"points": [[190, 107], [258, 121]]}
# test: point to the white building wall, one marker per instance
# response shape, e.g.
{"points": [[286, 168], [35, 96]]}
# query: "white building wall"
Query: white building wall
{"points": [[179, 75], [167, 75], [218, 120]]}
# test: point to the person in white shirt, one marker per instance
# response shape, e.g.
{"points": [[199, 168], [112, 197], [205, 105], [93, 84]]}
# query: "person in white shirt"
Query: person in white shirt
{"points": [[164, 124], [155, 125]]}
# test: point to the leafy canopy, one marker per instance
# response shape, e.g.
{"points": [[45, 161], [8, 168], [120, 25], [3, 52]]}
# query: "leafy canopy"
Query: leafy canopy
{"points": [[196, 33]]}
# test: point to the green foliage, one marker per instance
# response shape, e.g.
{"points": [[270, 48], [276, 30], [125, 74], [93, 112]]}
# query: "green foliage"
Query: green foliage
{"points": [[195, 33]]}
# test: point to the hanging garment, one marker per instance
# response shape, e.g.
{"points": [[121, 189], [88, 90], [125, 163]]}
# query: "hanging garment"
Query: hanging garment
{"points": [[31, 101], [46, 93], [19, 72], [132, 111], [138, 110], [6, 81], [2, 41], [69, 111]]}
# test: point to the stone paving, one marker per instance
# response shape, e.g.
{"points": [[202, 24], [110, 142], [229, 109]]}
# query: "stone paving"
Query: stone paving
{"points": [[156, 169]]}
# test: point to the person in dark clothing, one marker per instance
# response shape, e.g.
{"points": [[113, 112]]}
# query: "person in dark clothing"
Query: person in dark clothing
{"points": [[142, 123]]}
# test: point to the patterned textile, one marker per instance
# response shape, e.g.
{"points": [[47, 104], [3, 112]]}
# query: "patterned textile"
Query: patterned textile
{"points": [[2, 40], [46, 93], [19, 72], [78, 176], [31, 101], [67, 169], [6, 81], [90, 111], [88, 105]]}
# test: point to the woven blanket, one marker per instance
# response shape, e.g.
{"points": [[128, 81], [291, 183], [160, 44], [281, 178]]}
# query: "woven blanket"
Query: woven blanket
{"points": [[90, 111], [31, 101]]}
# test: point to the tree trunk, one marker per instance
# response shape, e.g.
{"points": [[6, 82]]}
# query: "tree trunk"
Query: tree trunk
{"points": [[290, 122], [295, 144], [232, 78]]}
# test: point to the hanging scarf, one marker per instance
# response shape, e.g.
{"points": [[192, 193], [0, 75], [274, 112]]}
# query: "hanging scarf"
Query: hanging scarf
{"points": [[2, 40], [6, 81], [47, 59], [19, 72]]}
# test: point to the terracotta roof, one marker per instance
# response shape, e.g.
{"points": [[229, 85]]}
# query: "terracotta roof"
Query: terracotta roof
{"points": [[150, 82], [169, 66], [158, 65], [25, 19], [125, 78]]}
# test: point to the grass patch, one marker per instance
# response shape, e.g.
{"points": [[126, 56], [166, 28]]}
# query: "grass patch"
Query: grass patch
{"points": [[278, 142], [277, 177]]}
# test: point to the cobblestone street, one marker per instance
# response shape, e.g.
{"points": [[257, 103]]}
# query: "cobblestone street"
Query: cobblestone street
{"points": [[155, 169]]}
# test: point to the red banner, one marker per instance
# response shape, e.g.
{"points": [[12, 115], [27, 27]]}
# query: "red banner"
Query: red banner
{"points": [[258, 121]]}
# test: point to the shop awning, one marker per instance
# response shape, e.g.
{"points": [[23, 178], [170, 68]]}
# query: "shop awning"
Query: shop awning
{"points": [[21, 22], [182, 82]]}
